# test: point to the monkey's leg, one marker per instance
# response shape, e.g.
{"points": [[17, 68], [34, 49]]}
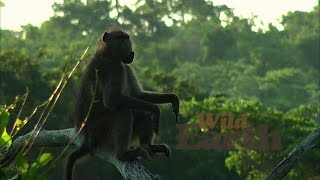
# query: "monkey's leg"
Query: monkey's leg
{"points": [[160, 98], [123, 135], [137, 104], [143, 128], [72, 158], [149, 121], [134, 154]]}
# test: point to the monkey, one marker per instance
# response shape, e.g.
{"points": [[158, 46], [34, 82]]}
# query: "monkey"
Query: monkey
{"points": [[119, 112]]}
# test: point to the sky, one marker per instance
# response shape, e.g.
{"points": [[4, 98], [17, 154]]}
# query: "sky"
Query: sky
{"points": [[20, 12]]}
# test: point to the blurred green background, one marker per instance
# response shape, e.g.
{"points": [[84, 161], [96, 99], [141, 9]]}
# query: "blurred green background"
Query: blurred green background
{"points": [[213, 64]]}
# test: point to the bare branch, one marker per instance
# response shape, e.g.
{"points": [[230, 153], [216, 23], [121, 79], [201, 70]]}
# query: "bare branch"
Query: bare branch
{"points": [[286, 165], [56, 138]]}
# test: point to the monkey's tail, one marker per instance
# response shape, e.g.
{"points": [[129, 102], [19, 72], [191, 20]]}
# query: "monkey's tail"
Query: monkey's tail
{"points": [[71, 160]]}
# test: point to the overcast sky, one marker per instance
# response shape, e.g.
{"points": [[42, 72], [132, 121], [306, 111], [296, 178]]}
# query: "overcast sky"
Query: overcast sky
{"points": [[20, 12]]}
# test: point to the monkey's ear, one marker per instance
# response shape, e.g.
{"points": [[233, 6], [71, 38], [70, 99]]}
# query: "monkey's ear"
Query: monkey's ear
{"points": [[105, 36]]}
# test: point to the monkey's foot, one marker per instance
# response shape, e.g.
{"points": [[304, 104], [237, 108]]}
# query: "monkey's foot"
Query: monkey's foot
{"points": [[135, 154], [160, 148]]}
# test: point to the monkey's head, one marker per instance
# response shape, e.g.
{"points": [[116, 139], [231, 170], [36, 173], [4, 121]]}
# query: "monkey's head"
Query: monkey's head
{"points": [[118, 46]]}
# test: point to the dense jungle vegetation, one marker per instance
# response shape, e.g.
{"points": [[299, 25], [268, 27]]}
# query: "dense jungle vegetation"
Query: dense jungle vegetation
{"points": [[214, 60]]}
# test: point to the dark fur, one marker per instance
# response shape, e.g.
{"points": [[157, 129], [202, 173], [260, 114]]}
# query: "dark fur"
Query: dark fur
{"points": [[122, 111]]}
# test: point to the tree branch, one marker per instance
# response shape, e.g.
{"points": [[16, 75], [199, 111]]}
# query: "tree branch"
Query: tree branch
{"points": [[56, 138], [286, 165]]}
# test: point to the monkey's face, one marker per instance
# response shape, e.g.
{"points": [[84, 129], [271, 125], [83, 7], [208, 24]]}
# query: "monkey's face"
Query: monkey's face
{"points": [[119, 46], [125, 50]]}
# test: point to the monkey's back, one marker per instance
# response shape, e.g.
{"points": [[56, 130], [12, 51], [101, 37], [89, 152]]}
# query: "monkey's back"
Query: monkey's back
{"points": [[98, 121], [85, 95]]}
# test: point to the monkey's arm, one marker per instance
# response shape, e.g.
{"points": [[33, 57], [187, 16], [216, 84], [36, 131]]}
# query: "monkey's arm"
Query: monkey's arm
{"points": [[160, 98], [114, 98], [153, 97], [120, 100]]}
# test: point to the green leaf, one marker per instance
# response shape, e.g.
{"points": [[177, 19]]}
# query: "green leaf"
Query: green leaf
{"points": [[20, 123], [4, 119], [41, 161], [5, 139], [44, 159], [21, 164], [32, 172]]}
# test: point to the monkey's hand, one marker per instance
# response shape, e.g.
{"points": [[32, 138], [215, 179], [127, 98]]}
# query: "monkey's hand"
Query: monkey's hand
{"points": [[175, 106]]}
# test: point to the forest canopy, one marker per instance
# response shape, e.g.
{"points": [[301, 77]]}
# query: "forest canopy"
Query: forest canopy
{"points": [[214, 64]]}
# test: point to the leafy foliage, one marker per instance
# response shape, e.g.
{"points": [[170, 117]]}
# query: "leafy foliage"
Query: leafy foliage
{"points": [[213, 59], [5, 139], [23, 169]]}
